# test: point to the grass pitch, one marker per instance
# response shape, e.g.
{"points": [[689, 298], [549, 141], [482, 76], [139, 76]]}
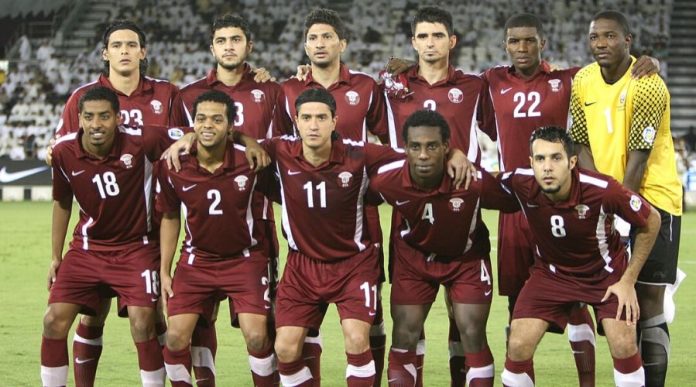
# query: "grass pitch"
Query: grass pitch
{"points": [[24, 258]]}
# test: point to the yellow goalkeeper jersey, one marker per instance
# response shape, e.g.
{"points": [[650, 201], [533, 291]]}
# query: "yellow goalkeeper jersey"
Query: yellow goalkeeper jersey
{"points": [[631, 114]]}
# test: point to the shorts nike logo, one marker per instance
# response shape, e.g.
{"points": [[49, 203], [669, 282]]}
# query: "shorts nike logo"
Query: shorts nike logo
{"points": [[487, 293], [154, 299], [590, 103], [531, 205], [293, 173], [82, 361], [371, 313], [8, 177], [190, 187], [401, 203], [76, 173], [503, 91]]}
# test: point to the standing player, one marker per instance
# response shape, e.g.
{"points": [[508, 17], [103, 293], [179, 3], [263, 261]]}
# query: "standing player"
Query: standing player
{"points": [[360, 106], [580, 257], [427, 255], [223, 249], [435, 85], [143, 102], [256, 105], [623, 128], [107, 168]]}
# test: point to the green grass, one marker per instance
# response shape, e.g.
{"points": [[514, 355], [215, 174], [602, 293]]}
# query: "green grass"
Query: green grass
{"points": [[24, 259]]}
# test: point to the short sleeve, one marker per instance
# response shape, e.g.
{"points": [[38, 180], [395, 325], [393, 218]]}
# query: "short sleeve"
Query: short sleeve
{"points": [[166, 199], [578, 127], [649, 105]]}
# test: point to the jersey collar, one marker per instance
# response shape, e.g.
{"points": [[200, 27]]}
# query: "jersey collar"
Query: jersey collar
{"points": [[537, 196], [406, 181], [343, 77], [211, 78], [412, 74], [143, 85], [338, 150], [227, 163], [544, 68]]}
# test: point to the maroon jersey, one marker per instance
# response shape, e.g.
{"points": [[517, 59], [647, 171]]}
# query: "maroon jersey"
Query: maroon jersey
{"points": [[577, 236], [519, 106], [428, 217], [256, 102], [115, 193], [150, 104], [219, 216], [323, 206], [457, 98], [359, 104]]}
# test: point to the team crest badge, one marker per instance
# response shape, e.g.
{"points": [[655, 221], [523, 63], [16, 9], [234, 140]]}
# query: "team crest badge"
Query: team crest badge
{"points": [[127, 160], [156, 106], [352, 97], [344, 178], [649, 134], [635, 203], [241, 181], [555, 85], [582, 210], [455, 95], [258, 95], [455, 204]]}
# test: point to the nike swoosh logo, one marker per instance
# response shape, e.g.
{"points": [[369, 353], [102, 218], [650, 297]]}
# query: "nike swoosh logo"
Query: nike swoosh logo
{"points": [[372, 313], [401, 203], [590, 103], [190, 187], [487, 293], [153, 299], [76, 173], [503, 91], [9, 177], [293, 173], [82, 361], [530, 205]]}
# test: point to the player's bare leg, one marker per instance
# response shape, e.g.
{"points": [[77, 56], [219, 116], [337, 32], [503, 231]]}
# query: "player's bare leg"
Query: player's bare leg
{"points": [[628, 370], [360, 371], [150, 360], [204, 348], [457, 360], [471, 322], [378, 338], [262, 361], [653, 334], [582, 342], [525, 335], [408, 324], [57, 320], [177, 351], [87, 344], [291, 366]]}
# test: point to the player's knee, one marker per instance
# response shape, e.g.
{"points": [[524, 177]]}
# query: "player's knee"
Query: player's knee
{"points": [[256, 340], [55, 326], [357, 342], [519, 348], [177, 339], [473, 335], [623, 346], [142, 328], [286, 351]]}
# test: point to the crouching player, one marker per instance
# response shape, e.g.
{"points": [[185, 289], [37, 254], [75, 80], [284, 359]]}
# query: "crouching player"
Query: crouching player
{"points": [[222, 252]]}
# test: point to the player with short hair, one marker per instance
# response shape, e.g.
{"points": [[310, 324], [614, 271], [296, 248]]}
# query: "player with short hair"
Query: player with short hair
{"points": [[223, 249], [258, 106], [580, 256], [622, 126], [106, 168], [360, 104], [427, 254], [143, 101]]}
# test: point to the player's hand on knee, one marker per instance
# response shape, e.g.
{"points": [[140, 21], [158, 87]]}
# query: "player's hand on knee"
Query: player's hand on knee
{"points": [[625, 292], [181, 147], [261, 75], [167, 292], [53, 272]]}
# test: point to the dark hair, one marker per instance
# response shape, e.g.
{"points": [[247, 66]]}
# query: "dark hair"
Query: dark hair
{"points": [[230, 20], [553, 134], [524, 20], [100, 93], [326, 16], [616, 16], [432, 15], [316, 95], [426, 117], [219, 97], [122, 24]]}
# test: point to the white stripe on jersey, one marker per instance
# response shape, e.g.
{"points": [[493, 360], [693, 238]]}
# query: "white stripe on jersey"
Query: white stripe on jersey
{"points": [[405, 232], [189, 239], [364, 131], [85, 237], [284, 219], [602, 244], [391, 166], [473, 135], [348, 141], [130, 131], [292, 120], [469, 241], [594, 181], [524, 171], [188, 115], [250, 218], [67, 137], [360, 211], [147, 191], [391, 125]]}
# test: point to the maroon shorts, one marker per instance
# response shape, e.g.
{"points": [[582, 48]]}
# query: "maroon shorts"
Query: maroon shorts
{"points": [[550, 296], [308, 285], [199, 281], [374, 232], [416, 280], [86, 276], [515, 252]]}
